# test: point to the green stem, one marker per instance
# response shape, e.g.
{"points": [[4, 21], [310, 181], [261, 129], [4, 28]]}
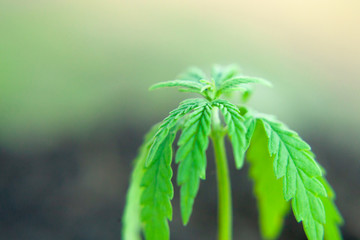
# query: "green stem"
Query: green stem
{"points": [[223, 178]]}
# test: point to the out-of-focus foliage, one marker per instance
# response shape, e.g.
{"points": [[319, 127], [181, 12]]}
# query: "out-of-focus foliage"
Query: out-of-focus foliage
{"points": [[70, 66]]}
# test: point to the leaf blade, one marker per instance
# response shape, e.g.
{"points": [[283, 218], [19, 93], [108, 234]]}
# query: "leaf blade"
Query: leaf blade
{"points": [[192, 74], [169, 122], [158, 192], [306, 203], [191, 157], [268, 190], [232, 84], [222, 73], [191, 85], [131, 217], [236, 129]]}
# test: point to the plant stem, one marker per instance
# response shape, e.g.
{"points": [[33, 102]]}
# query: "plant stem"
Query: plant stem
{"points": [[223, 178]]}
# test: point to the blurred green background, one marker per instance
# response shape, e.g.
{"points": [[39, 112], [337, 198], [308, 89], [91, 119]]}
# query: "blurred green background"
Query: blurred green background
{"points": [[74, 102]]}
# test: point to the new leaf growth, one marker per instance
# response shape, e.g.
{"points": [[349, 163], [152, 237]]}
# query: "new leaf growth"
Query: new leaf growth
{"points": [[282, 166]]}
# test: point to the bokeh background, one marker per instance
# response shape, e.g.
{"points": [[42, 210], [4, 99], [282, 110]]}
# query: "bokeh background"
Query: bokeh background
{"points": [[74, 103]]}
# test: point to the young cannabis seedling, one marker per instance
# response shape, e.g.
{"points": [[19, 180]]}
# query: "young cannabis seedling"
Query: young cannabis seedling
{"points": [[282, 165]]}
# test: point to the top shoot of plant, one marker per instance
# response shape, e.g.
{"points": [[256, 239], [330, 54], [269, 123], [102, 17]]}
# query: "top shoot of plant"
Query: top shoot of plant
{"points": [[281, 164]]}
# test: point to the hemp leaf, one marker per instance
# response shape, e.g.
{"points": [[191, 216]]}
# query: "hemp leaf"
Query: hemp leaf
{"points": [[168, 123], [191, 157], [294, 162], [267, 189], [282, 166], [131, 219], [236, 129]]}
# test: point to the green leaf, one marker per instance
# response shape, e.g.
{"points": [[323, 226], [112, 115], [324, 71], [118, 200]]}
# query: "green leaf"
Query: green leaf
{"points": [[158, 192], [169, 122], [247, 93], [131, 219], [190, 85], [234, 83], [333, 216], [250, 124], [268, 190], [191, 155], [192, 74], [220, 74], [236, 129], [294, 162]]}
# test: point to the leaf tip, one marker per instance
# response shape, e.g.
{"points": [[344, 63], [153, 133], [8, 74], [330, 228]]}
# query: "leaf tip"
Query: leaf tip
{"points": [[239, 163], [153, 87], [185, 219], [267, 83]]}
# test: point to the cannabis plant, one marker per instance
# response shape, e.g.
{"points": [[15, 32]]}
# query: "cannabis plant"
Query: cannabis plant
{"points": [[281, 164]]}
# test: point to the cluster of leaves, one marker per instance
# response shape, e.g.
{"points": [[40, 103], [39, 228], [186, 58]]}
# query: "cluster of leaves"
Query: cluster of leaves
{"points": [[282, 165], [283, 168]]}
